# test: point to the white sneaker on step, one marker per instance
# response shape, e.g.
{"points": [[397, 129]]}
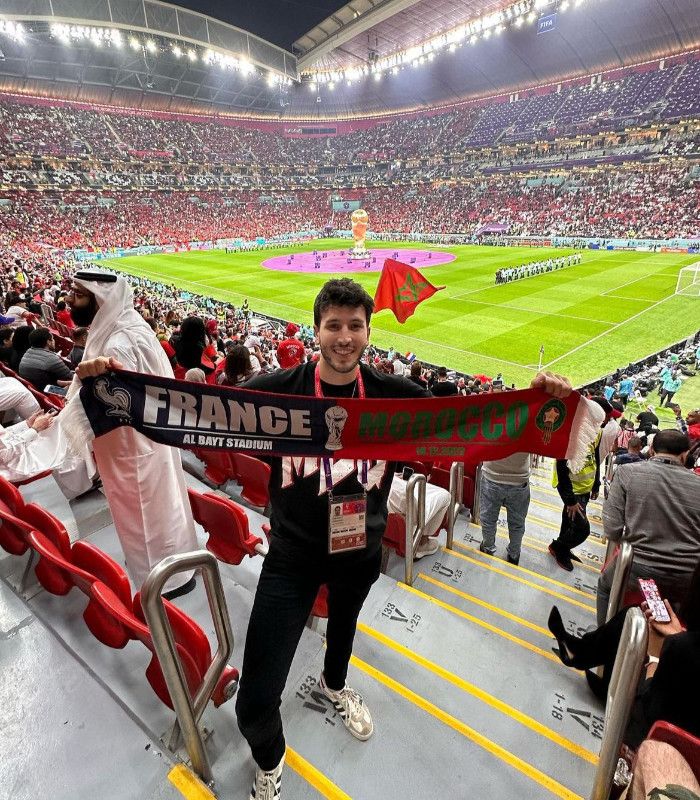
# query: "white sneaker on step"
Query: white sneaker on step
{"points": [[267, 784], [352, 710], [428, 548]]}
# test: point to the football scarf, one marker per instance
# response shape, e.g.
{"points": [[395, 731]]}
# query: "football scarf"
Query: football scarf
{"points": [[200, 416]]}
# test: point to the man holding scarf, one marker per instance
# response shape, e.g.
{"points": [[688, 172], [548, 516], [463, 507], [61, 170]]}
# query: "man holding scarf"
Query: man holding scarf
{"points": [[143, 481], [306, 497]]}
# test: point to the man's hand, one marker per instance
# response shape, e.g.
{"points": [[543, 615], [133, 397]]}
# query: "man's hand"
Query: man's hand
{"points": [[551, 383], [572, 511], [40, 421], [97, 366], [594, 495]]}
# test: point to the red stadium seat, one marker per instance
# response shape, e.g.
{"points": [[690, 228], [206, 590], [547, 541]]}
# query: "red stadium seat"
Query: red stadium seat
{"points": [[395, 533], [440, 476], [230, 539], [13, 532], [218, 465], [254, 478], [320, 608]]}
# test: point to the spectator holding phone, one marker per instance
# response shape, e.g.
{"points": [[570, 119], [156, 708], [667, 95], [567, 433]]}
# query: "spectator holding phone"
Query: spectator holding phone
{"points": [[655, 506], [669, 688]]}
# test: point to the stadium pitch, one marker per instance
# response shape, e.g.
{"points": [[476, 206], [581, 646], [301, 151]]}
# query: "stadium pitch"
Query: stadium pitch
{"points": [[614, 308]]}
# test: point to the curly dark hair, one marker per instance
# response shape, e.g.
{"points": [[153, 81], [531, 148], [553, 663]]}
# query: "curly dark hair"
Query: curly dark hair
{"points": [[342, 292]]}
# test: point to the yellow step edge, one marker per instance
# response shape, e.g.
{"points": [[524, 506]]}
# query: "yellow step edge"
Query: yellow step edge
{"points": [[546, 523], [479, 739], [533, 544], [188, 784], [477, 601], [486, 698], [526, 571], [323, 785], [481, 623]]}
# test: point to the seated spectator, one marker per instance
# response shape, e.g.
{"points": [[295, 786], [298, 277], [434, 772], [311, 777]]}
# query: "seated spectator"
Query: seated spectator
{"points": [[16, 398], [417, 375], [659, 766], [20, 345], [633, 452], [36, 445], [79, 337], [6, 351], [195, 375], [63, 315], [290, 351], [647, 421], [40, 365], [190, 345], [655, 506], [240, 366], [437, 501], [442, 387], [669, 688]]}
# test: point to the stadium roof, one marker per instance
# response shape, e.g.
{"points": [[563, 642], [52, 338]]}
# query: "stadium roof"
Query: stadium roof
{"points": [[396, 54]]}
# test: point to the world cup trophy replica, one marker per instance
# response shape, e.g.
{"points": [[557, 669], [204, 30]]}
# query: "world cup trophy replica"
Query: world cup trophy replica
{"points": [[359, 220]]}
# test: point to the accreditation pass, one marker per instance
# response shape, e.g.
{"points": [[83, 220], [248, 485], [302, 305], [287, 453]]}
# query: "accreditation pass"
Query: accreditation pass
{"points": [[347, 523]]}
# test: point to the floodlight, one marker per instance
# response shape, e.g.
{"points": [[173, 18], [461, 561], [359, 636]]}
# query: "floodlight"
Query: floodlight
{"points": [[151, 46], [134, 43], [377, 76], [177, 52], [192, 55], [331, 85], [312, 86]]}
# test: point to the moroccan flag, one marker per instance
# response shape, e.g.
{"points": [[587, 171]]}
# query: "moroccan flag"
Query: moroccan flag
{"points": [[400, 288]]}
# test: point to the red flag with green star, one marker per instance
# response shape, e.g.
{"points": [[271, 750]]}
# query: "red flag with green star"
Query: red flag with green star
{"points": [[400, 288]]}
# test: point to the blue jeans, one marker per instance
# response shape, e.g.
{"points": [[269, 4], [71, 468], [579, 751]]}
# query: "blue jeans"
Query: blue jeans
{"points": [[516, 500]]}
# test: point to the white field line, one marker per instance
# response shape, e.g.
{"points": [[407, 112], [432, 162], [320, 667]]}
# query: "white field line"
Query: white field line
{"points": [[542, 313], [623, 297], [605, 333]]}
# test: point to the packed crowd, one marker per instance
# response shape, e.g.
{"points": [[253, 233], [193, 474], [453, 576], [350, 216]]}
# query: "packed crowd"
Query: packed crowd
{"points": [[65, 130], [658, 201], [509, 274]]}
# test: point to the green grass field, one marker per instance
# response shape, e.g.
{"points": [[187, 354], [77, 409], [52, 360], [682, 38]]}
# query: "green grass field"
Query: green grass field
{"points": [[614, 308]]}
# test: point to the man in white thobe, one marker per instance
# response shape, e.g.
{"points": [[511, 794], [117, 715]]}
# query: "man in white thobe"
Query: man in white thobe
{"points": [[143, 481]]}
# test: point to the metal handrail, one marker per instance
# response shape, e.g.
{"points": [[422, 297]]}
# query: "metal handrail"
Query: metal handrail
{"points": [[415, 521], [623, 566], [188, 711], [456, 498], [476, 505], [629, 661]]}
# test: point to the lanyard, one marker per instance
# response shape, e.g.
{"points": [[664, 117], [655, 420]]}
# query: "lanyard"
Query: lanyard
{"points": [[360, 386]]}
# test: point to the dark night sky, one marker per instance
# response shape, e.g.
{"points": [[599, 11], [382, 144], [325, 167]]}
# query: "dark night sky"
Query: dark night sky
{"points": [[279, 21]]}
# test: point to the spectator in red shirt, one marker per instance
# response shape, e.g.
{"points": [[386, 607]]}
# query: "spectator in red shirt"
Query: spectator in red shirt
{"points": [[63, 315], [290, 351]]}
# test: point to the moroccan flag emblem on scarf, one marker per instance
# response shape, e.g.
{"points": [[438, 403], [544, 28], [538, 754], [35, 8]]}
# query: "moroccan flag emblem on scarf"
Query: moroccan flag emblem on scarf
{"points": [[199, 415], [401, 288]]}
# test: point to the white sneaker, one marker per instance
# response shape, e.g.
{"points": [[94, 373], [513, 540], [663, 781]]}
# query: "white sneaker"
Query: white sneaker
{"points": [[428, 548], [267, 784], [352, 709]]}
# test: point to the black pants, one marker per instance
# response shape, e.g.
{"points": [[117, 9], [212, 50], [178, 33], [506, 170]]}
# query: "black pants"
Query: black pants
{"points": [[576, 530], [666, 397], [288, 585]]}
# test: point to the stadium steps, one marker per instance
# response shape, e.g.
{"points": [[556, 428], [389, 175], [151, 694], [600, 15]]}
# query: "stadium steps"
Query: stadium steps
{"points": [[467, 697]]}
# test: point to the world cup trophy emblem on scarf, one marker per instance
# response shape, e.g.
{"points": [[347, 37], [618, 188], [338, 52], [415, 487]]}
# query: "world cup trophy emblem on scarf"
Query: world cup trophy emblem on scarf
{"points": [[336, 417]]}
